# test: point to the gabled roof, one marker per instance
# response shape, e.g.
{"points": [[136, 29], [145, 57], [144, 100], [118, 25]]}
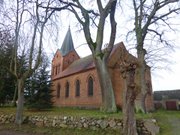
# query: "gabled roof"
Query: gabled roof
{"points": [[77, 66], [166, 94], [85, 63], [67, 45]]}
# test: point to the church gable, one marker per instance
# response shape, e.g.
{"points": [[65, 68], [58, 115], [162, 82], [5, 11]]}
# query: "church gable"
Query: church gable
{"points": [[65, 56], [69, 59], [56, 63], [118, 54]]}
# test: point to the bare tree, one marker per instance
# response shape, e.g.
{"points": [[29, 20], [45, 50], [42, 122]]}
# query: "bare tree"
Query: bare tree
{"points": [[38, 18], [149, 18], [86, 17]]}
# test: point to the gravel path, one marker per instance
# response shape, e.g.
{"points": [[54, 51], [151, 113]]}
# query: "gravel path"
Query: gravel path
{"points": [[175, 124]]}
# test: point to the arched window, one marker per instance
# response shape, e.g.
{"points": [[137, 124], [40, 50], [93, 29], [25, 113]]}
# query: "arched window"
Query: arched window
{"points": [[53, 70], [90, 86], [56, 70], [67, 90], [58, 91], [77, 88]]}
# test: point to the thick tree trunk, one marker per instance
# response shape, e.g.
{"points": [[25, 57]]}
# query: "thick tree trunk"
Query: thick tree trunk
{"points": [[20, 103], [129, 94], [108, 98], [140, 102]]}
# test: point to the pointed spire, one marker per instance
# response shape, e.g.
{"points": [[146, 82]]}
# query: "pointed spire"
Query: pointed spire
{"points": [[67, 45]]}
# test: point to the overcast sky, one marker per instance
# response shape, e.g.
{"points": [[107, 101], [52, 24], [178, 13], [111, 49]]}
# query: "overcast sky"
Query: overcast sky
{"points": [[168, 79]]}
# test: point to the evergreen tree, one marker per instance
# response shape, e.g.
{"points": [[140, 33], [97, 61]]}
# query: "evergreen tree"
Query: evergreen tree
{"points": [[38, 92], [7, 81], [7, 87]]}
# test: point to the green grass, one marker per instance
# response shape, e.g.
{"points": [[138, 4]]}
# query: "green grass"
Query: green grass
{"points": [[169, 121], [65, 111]]}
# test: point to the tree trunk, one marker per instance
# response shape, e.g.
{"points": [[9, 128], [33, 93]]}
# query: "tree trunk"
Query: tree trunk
{"points": [[108, 98], [140, 102], [129, 94], [143, 86], [15, 95], [20, 103]]}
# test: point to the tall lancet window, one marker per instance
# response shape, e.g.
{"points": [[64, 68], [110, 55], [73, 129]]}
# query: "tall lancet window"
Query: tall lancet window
{"points": [[67, 90], [58, 90], [77, 88], [90, 86]]}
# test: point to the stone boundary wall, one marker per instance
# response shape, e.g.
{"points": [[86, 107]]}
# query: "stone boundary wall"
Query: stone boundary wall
{"points": [[144, 127]]}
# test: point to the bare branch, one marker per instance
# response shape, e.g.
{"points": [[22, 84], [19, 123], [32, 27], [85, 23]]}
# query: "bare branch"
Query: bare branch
{"points": [[150, 17], [166, 2], [165, 15], [158, 34], [100, 7], [113, 30], [76, 14], [33, 38]]}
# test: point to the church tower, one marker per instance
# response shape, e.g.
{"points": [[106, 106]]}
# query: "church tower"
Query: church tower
{"points": [[64, 56]]}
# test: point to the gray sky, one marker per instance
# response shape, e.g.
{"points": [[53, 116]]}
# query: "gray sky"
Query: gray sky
{"points": [[168, 79]]}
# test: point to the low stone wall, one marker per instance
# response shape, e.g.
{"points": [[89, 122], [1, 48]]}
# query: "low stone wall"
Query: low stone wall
{"points": [[144, 127]]}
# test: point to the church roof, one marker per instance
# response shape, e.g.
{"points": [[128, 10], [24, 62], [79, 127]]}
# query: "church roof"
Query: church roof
{"points": [[85, 63], [79, 65], [67, 45]]}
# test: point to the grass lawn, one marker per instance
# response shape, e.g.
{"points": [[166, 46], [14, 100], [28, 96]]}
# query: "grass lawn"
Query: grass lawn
{"points": [[65, 111], [169, 121]]}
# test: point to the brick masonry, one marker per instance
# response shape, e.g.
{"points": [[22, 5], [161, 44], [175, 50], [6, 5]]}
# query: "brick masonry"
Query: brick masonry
{"points": [[62, 73]]}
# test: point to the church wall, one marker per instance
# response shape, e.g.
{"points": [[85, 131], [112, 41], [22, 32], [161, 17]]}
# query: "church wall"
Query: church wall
{"points": [[83, 100], [61, 62], [56, 64], [118, 86], [68, 59], [94, 101]]}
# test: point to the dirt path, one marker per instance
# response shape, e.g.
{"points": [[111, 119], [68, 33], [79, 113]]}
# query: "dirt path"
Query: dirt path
{"points": [[175, 124]]}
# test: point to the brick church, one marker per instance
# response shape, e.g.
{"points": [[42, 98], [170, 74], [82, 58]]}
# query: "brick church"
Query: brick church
{"points": [[75, 80]]}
